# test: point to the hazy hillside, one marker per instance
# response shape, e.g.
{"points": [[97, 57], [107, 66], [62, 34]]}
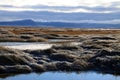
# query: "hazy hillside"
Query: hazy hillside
{"points": [[58, 24]]}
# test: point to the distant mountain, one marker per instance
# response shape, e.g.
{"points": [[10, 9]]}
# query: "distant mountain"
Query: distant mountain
{"points": [[19, 23], [32, 23], [78, 25]]}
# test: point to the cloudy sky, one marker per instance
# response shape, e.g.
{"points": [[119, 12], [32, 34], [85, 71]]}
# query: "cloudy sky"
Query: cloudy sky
{"points": [[61, 10]]}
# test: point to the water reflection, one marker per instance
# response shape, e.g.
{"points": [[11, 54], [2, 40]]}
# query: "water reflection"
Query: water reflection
{"points": [[62, 76]]}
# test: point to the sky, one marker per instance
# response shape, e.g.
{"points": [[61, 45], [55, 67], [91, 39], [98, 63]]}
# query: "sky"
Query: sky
{"points": [[9, 8]]}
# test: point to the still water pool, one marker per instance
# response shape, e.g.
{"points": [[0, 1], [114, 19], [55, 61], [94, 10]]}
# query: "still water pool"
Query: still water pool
{"points": [[62, 76]]}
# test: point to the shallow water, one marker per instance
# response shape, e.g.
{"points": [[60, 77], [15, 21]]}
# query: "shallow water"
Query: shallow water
{"points": [[63, 76], [31, 45], [26, 45]]}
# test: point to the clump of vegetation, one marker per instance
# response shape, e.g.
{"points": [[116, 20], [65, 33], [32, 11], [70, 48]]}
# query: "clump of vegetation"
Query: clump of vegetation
{"points": [[37, 67], [40, 39], [51, 66], [66, 46], [11, 40], [18, 69], [80, 65], [13, 57], [63, 57], [64, 66], [26, 36], [13, 60], [2, 69]]}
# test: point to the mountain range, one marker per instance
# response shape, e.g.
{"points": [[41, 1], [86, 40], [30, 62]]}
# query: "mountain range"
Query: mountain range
{"points": [[31, 23]]}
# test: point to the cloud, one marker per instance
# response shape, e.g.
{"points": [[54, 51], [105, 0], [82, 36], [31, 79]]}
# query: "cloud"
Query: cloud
{"points": [[90, 3], [7, 6], [64, 9], [57, 10], [60, 9], [53, 16], [66, 6], [114, 21], [97, 8]]}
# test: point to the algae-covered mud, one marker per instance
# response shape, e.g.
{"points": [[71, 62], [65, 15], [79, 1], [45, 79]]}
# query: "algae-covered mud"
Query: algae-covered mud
{"points": [[59, 50]]}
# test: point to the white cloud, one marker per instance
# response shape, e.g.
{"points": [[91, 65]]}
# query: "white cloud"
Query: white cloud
{"points": [[23, 5], [55, 10], [114, 21], [90, 3]]}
